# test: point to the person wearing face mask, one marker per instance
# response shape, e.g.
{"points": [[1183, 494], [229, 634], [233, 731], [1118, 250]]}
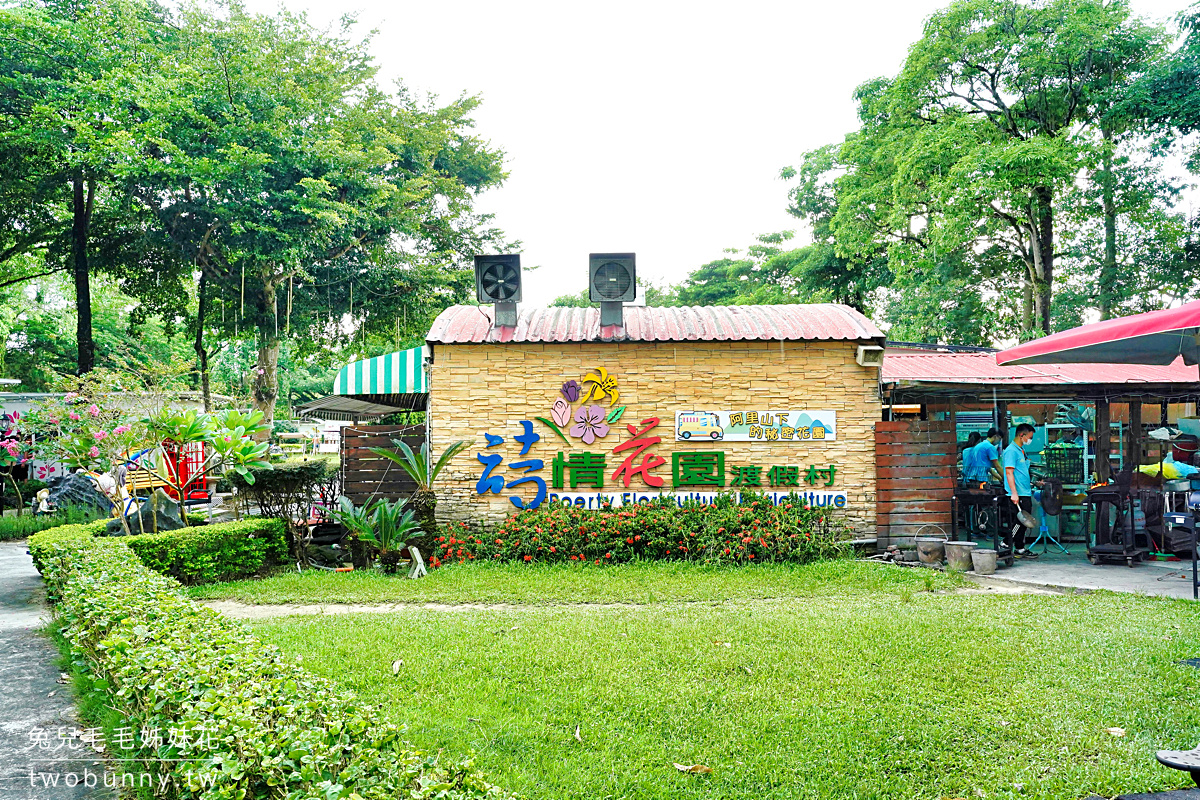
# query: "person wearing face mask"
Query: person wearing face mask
{"points": [[1016, 481]]}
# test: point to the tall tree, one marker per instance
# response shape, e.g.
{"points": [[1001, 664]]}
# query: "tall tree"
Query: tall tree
{"points": [[68, 110], [1168, 96], [284, 173], [963, 159]]}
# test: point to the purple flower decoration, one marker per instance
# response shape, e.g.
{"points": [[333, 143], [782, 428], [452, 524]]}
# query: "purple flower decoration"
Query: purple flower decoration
{"points": [[589, 424], [570, 390]]}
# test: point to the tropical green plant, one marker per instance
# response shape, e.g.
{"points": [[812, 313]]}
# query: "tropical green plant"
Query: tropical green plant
{"points": [[390, 528], [384, 526], [227, 439], [356, 519], [415, 465]]}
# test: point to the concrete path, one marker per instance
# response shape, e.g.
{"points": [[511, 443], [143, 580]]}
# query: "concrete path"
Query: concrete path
{"points": [[34, 706], [1054, 570]]}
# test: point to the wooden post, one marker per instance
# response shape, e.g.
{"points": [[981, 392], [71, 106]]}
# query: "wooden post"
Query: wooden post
{"points": [[1134, 437], [954, 435], [1162, 443], [1103, 441], [1002, 420]]}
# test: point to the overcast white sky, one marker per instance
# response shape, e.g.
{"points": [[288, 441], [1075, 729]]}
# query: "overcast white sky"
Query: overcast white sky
{"points": [[652, 127]]}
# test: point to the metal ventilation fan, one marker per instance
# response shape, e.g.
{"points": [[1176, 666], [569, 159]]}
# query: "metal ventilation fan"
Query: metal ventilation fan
{"points": [[612, 277], [498, 279]]}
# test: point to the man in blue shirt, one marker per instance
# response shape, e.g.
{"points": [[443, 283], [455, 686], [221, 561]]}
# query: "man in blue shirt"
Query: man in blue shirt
{"points": [[1016, 481], [967, 475], [987, 456]]}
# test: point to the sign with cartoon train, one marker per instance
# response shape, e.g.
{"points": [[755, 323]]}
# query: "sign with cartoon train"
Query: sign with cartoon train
{"points": [[755, 426]]}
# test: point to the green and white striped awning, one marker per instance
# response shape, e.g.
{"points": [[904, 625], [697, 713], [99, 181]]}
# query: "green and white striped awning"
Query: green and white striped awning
{"points": [[395, 373]]}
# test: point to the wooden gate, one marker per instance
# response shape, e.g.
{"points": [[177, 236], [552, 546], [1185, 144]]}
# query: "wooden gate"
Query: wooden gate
{"points": [[367, 475], [916, 465]]}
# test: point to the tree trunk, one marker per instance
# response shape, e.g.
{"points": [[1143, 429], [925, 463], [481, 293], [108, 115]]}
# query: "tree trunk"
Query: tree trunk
{"points": [[1108, 268], [1026, 302], [266, 373], [198, 344], [1043, 257], [423, 505], [81, 217], [266, 380]]}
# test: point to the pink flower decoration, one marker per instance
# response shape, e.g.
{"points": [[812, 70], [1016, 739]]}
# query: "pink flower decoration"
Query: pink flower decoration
{"points": [[100, 436], [94, 452], [561, 413], [589, 424], [94, 410], [73, 416], [69, 396], [117, 431]]}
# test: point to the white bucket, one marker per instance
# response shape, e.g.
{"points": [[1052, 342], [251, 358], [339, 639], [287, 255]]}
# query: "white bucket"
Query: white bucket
{"points": [[958, 555], [984, 561]]}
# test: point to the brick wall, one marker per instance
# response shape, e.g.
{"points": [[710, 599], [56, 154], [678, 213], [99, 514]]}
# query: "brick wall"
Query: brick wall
{"points": [[477, 388]]}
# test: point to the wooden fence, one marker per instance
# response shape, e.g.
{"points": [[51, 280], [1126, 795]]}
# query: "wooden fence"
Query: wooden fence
{"points": [[916, 469], [367, 475]]}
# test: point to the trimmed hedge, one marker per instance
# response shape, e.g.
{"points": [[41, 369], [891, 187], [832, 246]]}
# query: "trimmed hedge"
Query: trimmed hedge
{"points": [[210, 553], [200, 554], [274, 730]]}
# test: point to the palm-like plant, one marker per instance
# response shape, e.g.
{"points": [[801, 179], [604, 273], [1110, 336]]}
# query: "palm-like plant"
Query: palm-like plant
{"points": [[416, 466], [356, 519], [392, 527], [385, 526]]}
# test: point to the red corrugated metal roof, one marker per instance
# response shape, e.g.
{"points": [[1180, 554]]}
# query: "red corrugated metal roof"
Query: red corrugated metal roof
{"points": [[473, 324], [982, 368]]}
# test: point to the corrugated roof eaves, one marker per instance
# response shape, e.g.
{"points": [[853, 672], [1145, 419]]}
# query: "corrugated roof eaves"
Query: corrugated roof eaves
{"points": [[473, 324]]}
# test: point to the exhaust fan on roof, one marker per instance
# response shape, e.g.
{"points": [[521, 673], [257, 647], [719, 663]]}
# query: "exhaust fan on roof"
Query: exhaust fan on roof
{"points": [[612, 280], [498, 280], [869, 355]]}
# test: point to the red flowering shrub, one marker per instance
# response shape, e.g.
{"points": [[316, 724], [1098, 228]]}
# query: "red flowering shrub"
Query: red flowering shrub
{"points": [[725, 532]]}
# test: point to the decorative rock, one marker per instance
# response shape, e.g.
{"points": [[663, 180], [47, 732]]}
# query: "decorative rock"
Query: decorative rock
{"points": [[169, 517], [76, 491]]}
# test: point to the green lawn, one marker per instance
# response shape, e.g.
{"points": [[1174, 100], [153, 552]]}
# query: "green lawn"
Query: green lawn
{"points": [[555, 584], [855, 683]]}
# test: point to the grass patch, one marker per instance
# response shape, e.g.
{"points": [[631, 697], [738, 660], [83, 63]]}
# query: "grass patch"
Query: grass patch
{"points": [[24, 526], [864, 687], [555, 584]]}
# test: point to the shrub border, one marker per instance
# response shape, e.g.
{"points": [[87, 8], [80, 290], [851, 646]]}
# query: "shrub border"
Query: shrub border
{"points": [[165, 662]]}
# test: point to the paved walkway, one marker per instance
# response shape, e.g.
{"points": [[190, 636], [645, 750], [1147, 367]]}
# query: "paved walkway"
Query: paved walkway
{"points": [[34, 703], [1054, 570]]}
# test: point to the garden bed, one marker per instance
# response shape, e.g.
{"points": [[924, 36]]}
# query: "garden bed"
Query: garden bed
{"points": [[725, 531]]}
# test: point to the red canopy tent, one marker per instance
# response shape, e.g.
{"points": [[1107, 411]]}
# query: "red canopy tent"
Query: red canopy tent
{"points": [[1157, 337]]}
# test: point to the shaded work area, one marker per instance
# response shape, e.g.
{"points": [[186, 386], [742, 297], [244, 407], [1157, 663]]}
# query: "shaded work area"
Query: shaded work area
{"points": [[1114, 444]]}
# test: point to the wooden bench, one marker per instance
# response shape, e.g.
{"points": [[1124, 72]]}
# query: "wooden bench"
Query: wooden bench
{"points": [[143, 480]]}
